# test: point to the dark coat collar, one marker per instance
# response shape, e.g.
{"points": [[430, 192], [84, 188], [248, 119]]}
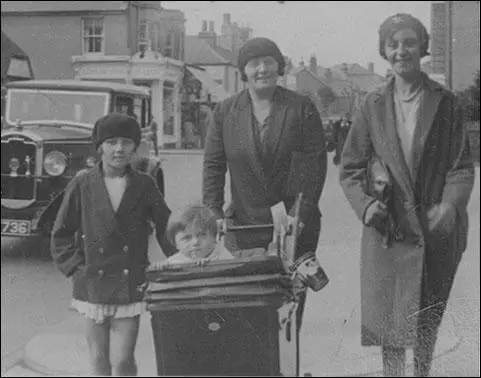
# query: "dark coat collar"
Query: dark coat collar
{"points": [[98, 191]]}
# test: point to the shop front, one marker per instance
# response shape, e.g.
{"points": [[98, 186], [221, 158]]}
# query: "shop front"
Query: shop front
{"points": [[163, 76]]}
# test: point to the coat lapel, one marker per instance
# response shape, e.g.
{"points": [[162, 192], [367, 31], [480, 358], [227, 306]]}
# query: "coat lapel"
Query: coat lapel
{"points": [[110, 220], [428, 112], [275, 131], [100, 198], [133, 193], [392, 152], [244, 124]]}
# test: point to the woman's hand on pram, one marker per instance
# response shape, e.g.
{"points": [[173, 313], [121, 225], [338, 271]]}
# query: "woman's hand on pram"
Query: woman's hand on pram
{"points": [[298, 286]]}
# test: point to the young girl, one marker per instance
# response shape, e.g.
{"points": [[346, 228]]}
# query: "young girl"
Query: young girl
{"points": [[100, 239]]}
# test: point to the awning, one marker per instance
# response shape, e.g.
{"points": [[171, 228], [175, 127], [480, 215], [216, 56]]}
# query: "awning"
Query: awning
{"points": [[15, 63], [216, 90]]}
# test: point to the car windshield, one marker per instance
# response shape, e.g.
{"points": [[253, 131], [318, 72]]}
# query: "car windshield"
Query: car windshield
{"points": [[45, 105]]}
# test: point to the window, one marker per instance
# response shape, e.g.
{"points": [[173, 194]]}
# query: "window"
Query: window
{"points": [[148, 35], [169, 45], [93, 35], [153, 35], [124, 105], [143, 41], [19, 68]]}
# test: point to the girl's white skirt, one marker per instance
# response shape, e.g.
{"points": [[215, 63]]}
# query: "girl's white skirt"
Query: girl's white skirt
{"points": [[100, 312]]}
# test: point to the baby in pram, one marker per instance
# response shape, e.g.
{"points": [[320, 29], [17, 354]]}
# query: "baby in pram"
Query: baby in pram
{"points": [[194, 234]]}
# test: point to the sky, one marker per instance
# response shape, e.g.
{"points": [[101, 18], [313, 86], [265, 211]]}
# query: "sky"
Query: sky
{"points": [[334, 31]]}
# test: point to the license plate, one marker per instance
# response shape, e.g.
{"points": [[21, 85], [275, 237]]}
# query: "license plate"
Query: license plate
{"points": [[15, 227]]}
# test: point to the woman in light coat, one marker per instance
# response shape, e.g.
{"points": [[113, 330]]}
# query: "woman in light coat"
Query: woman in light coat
{"points": [[413, 126]]}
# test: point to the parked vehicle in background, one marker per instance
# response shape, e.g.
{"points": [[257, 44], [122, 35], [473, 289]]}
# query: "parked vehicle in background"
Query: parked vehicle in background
{"points": [[46, 141]]}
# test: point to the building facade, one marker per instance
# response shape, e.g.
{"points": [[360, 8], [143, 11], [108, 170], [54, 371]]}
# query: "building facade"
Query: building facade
{"points": [[217, 54], [336, 91], [122, 41], [455, 42]]}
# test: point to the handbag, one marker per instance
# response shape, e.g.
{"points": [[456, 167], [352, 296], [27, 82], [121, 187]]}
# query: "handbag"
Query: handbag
{"points": [[379, 186]]}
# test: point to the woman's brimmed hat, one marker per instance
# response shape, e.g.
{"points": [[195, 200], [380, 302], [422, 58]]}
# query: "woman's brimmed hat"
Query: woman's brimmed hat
{"points": [[257, 47], [403, 21], [116, 125]]}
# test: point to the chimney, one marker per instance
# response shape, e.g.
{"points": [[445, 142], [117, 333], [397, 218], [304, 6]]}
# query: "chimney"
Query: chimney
{"points": [[208, 36], [301, 63], [344, 69], [226, 18], [313, 64], [370, 67]]}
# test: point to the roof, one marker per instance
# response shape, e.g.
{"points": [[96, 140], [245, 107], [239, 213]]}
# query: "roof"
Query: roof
{"points": [[61, 6], [199, 52], [100, 86], [10, 49], [352, 69], [215, 89], [226, 54], [298, 70]]}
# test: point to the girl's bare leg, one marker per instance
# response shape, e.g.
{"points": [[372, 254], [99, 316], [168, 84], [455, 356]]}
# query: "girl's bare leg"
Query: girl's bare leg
{"points": [[98, 341], [124, 339]]}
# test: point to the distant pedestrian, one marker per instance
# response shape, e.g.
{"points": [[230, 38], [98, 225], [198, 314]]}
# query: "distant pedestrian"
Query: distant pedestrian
{"points": [[341, 129], [100, 239]]}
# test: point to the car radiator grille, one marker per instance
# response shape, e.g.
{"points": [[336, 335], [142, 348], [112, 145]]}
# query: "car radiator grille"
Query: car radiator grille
{"points": [[18, 169]]}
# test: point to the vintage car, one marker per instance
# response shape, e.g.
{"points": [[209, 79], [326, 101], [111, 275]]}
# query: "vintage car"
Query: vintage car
{"points": [[46, 140]]}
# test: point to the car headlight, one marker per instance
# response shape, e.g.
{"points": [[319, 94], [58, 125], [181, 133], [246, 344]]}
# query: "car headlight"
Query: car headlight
{"points": [[55, 163]]}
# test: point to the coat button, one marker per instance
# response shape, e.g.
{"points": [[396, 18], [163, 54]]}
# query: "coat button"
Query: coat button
{"points": [[101, 250], [126, 272], [83, 236], [101, 273], [126, 248]]}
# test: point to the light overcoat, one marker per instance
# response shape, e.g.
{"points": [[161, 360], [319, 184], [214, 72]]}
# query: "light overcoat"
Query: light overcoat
{"points": [[416, 274]]}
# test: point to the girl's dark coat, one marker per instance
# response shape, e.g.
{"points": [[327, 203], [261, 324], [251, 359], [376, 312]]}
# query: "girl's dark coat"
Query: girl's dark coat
{"points": [[105, 251]]}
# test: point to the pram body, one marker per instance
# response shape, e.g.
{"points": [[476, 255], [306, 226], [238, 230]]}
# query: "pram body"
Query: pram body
{"points": [[227, 318]]}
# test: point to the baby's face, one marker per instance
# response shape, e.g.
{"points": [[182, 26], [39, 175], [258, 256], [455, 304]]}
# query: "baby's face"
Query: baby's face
{"points": [[196, 244]]}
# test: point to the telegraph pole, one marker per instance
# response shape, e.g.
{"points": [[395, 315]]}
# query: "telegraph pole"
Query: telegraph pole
{"points": [[133, 24], [449, 44]]}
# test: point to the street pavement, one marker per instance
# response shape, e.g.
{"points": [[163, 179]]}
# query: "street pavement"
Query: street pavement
{"points": [[330, 337]]}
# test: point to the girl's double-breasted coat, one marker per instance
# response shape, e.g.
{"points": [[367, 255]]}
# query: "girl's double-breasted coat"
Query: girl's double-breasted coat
{"points": [[105, 251]]}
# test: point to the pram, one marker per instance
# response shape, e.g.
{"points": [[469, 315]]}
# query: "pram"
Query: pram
{"points": [[228, 318]]}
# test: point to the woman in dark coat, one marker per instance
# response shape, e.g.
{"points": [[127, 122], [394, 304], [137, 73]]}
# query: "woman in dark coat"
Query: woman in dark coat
{"points": [[413, 126], [272, 141]]}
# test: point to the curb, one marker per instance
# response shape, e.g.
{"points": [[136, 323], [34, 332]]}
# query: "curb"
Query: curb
{"points": [[11, 360], [341, 357]]}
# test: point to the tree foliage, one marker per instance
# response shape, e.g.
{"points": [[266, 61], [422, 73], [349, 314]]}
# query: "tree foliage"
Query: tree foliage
{"points": [[469, 99]]}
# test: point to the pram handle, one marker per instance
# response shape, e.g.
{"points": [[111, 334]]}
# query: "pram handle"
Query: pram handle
{"points": [[248, 227]]}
